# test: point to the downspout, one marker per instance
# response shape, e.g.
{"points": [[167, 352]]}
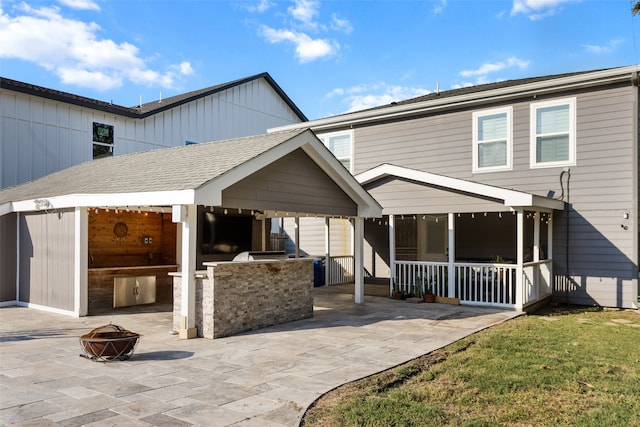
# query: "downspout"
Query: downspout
{"points": [[566, 171], [634, 207], [392, 253]]}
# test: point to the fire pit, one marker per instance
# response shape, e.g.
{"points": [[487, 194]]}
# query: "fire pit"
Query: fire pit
{"points": [[108, 343]]}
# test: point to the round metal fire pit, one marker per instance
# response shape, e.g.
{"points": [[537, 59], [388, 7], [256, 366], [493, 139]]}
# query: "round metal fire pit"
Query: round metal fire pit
{"points": [[108, 343]]}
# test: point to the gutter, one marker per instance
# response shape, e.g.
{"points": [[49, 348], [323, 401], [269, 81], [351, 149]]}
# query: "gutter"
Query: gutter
{"points": [[394, 112]]}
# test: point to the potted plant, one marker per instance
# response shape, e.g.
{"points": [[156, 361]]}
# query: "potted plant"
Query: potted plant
{"points": [[429, 296], [397, 292]]}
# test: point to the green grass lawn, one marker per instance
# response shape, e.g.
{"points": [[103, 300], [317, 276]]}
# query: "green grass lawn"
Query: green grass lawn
{"points": [[578, 367]]}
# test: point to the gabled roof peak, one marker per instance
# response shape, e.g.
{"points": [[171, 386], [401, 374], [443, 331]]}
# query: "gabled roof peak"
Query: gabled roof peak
{"points": [[149, 108]]}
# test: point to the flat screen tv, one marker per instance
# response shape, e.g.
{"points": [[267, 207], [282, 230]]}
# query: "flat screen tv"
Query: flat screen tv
{"points": [[225, 234]]}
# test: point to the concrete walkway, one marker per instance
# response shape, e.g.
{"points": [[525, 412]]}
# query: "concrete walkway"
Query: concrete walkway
{"points": [[263, 378]]}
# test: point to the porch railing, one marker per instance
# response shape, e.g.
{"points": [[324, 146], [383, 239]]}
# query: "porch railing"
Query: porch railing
{"points": [[341, 269], [477, 283], [491, 284], [536, 282]]}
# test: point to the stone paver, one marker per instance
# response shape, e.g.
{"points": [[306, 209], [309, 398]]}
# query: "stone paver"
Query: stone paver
{"points": [[266, 377]]}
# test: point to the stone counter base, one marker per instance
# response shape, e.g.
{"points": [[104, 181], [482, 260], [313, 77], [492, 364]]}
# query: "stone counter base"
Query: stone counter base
{"points": [[237, 297]]}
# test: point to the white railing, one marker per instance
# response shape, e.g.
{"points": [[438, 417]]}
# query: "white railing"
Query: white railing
{"points": [[485, 284], [536, 281], [422, 274], [341, 269], [477, 283]]}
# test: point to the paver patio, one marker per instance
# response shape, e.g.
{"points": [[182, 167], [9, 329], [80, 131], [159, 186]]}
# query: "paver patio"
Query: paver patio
{"points": [[266, 377]]}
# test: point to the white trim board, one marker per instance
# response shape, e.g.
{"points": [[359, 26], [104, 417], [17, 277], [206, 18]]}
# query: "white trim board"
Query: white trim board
{"points": [[509, 197]]}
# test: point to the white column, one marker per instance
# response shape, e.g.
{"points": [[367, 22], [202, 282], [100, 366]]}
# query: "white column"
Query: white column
{"points": [[327, 251], [80, 266], [550, 238], [392, 252], [297, 237], [18, 257], [358, 253], [536, 237], [263, 225], [519, 257], [452, 256], [187, 216]]}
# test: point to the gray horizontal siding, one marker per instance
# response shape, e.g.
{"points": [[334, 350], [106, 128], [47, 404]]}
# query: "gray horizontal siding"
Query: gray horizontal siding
{"points": [[292, 184], [601, 189], [312, 232], [399, 196]]}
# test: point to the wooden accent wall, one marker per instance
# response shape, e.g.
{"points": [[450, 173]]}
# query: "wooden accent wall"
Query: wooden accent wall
{"points": [[108, 247]]}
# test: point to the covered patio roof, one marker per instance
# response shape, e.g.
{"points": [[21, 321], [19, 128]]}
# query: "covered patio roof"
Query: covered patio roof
{"points": [[506, 197], [289, 171]]}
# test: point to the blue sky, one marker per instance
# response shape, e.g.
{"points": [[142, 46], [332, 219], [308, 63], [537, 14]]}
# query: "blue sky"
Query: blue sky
{"points": [[330, 57]]}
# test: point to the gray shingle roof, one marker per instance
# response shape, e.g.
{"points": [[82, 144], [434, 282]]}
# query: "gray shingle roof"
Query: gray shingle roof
{"points": [[168, 169], [472, 89]]}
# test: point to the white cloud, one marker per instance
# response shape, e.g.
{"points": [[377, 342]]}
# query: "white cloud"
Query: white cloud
{"points": [[74, 51], [338, 24], [611, 46], [439, 6], [361, 97], [307, 49], [80, 4], [261, 6], [481, 74], [305, 11], [301, 29], [538, 9]]}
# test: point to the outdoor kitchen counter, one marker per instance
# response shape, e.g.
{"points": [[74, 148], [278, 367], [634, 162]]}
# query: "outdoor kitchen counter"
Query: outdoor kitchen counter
{"points": [[101, 283], [238, 296]]}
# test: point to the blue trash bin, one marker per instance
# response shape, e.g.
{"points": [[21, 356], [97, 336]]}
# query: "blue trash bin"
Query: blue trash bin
{"points": [[318, 273]]}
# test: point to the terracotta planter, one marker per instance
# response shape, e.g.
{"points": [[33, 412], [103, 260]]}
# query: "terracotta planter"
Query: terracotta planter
{"points": [[429, 297], [109, 342], [398, 295]]}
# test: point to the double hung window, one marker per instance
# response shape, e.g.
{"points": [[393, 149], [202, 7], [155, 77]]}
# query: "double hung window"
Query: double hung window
{"points": [[553, 133], [492, 140], [341, 145]]}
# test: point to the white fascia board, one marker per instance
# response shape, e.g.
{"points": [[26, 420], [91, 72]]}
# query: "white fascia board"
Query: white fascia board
{"points": [[211, 192], [493, 95], [6, 208], [546, 202], [509, 197], [157, 198]]}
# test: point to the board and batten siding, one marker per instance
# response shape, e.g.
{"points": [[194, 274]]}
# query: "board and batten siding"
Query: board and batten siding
{"points": [[39, 136], [47, 259], [8, 258], [601, 189]]}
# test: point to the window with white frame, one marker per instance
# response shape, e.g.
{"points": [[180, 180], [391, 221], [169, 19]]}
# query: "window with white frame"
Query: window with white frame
{"points": [[553, 133], [341, 145], [102, 140], [492, 140]]}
